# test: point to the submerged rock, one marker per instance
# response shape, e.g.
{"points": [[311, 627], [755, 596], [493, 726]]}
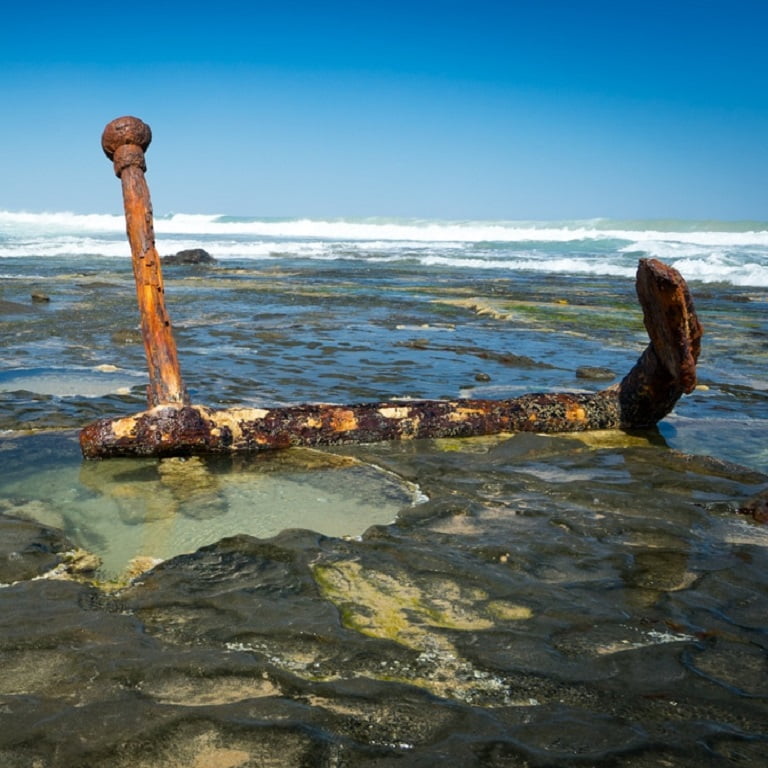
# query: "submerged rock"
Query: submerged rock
{"points": [[28, 549], [13, 308], [756, 508], [127, 336], [595, 373]]}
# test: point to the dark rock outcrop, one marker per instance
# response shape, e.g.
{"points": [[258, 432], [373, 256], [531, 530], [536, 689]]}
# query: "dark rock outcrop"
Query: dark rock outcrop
{"points": [[191, 256], [28, 549]]}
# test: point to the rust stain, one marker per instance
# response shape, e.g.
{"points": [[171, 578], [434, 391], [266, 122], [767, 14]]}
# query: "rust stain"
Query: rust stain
{"points": [[343, 420], [463, 413], [575, 413], [124, 427]]}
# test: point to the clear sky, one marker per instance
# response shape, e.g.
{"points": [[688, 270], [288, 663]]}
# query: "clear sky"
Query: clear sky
{"points": [[516, 109]]}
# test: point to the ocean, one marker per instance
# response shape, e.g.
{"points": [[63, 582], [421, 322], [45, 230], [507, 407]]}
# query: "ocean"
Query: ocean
{"points": [[507, 601], [377, 282], [734, 253]]}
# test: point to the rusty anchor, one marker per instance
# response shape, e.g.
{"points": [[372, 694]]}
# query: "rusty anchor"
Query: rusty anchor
{"points": [[172, 426], [124, 141]]}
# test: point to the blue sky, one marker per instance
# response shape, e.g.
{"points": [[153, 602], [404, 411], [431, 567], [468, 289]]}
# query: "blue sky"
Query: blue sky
{"points": [[448, 109]]}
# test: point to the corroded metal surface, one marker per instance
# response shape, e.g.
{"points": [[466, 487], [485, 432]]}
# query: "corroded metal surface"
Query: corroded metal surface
{"points": [[124, 142], [667, 368], [171, 426], [670, 320], [665, 371], [196, 429]]}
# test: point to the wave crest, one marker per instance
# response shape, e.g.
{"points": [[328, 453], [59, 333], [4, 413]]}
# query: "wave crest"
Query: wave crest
{"points": [[734, 252]]}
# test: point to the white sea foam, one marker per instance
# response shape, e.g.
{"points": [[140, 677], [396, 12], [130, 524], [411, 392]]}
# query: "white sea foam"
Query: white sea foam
{"points": [[413, 230], [736, 253], [59, 222], [409, 230]]}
